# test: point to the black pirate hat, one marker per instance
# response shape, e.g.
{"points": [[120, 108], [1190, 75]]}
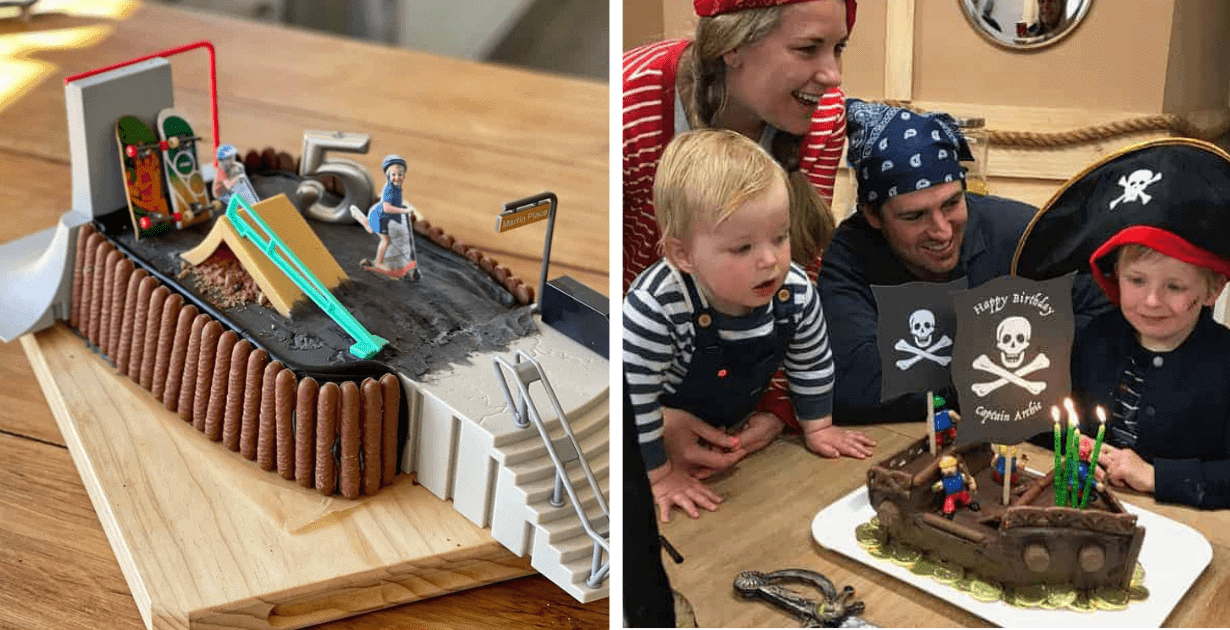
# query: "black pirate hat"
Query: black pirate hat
{"points": [[1171, 195]]}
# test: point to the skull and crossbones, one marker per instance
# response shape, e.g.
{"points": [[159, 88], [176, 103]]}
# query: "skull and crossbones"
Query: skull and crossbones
{"points": [[1012, 337], [922, 328], [1134, 186]]}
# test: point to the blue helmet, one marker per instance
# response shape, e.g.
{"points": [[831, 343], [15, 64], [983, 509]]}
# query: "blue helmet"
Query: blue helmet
{"points": [[390, 160], [227, 151]]}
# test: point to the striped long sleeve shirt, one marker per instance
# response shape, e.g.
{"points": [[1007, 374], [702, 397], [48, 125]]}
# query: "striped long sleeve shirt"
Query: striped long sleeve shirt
{"points": [[649, 124], [659, 339]]}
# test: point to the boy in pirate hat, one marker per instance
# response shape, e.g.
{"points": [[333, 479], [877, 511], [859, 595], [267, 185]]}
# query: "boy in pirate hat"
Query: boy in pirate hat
{"points": [[706, 327], [1150, 223]]}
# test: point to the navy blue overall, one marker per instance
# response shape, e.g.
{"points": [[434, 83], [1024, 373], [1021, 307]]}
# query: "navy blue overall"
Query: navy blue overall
{"points": [[725, 378]]}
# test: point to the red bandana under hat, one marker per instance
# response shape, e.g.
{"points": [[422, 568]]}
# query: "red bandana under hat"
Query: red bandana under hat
{"points": [[1159, 240], [707, 8]]}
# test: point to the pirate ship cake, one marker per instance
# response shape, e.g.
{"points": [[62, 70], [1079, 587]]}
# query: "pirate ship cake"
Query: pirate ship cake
{"points": [[1031, 541], [971, 511]]}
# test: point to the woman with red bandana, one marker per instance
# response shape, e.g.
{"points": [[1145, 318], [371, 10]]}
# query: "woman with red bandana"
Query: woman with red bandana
{"points": [[770, 70]]}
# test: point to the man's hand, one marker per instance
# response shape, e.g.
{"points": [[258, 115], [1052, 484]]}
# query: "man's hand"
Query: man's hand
{"points": [[676, 488], [762, 428], [1124, 468], [697, 448], [829, 441]]}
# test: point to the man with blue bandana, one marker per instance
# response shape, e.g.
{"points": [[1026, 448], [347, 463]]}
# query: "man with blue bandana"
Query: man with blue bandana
{"points": [[916, 222]]}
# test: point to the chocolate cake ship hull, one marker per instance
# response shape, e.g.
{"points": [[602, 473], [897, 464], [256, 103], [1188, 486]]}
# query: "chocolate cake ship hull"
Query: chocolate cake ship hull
{"points": [[1031, 541]]}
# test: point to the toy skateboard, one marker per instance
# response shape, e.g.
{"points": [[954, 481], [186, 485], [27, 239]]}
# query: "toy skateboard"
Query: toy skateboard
{"points": [[141, 161], [185, 184]]}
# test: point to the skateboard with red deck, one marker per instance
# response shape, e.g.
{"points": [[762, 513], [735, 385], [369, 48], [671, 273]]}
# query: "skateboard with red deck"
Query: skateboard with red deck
{"points": [[141, 162]]}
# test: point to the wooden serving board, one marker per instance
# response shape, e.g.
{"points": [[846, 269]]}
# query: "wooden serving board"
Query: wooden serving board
{"points": [[208, 540]]}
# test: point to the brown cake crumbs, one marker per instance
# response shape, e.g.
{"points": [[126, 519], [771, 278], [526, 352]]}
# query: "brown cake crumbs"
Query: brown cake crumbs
{"points": [[223, 281]]}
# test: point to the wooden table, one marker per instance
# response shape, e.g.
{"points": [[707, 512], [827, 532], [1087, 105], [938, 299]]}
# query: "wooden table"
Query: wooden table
{"points": [[476, 136], [764, 524]]}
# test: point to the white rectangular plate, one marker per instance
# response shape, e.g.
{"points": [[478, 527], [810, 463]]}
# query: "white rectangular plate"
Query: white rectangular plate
{"points": [[1173, 556]]}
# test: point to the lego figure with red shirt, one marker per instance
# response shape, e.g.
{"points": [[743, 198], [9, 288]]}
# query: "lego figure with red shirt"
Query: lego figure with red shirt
{"points": [[956, 485]]}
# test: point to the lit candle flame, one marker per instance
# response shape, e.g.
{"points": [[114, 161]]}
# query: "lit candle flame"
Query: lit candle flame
{"points": [[1055, 413], [1101, 412], [1067, 404]]}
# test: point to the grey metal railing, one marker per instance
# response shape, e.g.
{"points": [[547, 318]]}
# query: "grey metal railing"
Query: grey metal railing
{"points": [[562, 451]]}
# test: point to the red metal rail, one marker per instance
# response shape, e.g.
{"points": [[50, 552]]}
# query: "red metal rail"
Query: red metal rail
{"points": [[213, 78]]}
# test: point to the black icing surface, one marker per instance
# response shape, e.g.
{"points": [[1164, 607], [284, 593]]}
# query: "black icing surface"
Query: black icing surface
{"points": [[454, 310]]}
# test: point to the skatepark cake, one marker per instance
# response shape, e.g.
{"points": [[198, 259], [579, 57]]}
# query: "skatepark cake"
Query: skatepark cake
{"points": [[1030, 553], [260, 324]]}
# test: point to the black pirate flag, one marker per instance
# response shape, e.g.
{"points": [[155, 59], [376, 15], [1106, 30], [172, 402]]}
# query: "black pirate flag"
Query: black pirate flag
{"points": [[916, 332], [1010, 363]]}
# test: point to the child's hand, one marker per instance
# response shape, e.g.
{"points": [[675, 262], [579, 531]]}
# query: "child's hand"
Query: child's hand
{"points": [[829, 441], [762, 428], [676, 488], [1124, 468], [682, 436]]}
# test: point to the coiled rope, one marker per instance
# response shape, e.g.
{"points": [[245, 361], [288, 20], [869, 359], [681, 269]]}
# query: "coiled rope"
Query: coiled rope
{"points": [[1041, 140]]}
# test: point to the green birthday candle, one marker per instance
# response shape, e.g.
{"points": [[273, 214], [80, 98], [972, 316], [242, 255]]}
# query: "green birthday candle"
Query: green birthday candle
{"points": [[1097, 447], [1073, 452], [1060, 496]]}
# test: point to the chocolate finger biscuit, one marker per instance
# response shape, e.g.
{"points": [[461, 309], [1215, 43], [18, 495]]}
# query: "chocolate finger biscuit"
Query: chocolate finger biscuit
{"points": [[187, 384], [166, 342], [130, 312], [179, 351], [205, 373], [249, 429], [266, 437], [219, 385], [139, 316], [232, 419], [119, 292], [373, 417], [284, 408], [392, 409], [153, 328], [104, 326], [326, 437], [83, 237], [97, 274], [349, 478], [305, 431]]}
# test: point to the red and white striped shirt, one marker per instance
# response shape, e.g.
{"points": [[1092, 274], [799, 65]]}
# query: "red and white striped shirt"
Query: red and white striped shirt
{"points": [[649, 124]]}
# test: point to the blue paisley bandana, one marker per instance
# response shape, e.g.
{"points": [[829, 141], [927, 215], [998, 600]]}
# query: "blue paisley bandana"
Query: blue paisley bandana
{"points": [[895, 151]]}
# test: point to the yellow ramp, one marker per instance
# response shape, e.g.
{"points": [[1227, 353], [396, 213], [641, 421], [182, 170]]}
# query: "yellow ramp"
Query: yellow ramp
{"points": [[284, 219]]}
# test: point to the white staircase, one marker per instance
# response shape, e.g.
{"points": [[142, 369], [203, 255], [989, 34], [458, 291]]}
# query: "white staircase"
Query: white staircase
{"points": [[502, 476]]}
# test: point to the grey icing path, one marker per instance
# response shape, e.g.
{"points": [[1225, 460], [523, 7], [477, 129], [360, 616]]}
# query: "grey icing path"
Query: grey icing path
{"points": [[454, 310]]}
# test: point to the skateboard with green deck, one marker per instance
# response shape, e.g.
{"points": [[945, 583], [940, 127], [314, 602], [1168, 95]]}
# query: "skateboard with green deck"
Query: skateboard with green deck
{"points": [[189, 197]]}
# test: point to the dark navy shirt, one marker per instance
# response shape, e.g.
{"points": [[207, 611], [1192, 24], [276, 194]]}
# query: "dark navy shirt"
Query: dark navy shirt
{"points": [[1183, 415]]}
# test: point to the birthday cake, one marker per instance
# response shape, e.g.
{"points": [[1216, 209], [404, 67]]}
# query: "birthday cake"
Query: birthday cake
{"points": [[1030, 552], [247, 375]]}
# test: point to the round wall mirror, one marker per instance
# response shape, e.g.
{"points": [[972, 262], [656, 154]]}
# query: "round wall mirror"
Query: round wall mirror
{"points": [[1023, 24]]}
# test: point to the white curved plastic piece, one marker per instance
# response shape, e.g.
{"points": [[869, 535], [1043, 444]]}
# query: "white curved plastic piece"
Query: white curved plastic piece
{"points": [[35, 283]]}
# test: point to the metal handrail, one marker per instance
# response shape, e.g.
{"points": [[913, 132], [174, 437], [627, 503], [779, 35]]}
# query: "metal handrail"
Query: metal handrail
{"points": [[524, 405]]}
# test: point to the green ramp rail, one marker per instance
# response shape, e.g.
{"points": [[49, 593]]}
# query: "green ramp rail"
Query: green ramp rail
{"points": [[366, 344]]}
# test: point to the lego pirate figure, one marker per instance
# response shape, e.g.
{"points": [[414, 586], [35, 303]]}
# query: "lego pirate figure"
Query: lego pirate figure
{"points": [[1076, 487], [1000, 455], [232, 179], [956, 485], [945, 427], [385, 218]]}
